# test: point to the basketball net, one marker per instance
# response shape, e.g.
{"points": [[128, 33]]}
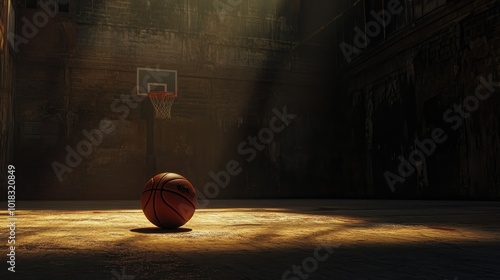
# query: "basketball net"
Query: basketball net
{"points": [[162, 102]]}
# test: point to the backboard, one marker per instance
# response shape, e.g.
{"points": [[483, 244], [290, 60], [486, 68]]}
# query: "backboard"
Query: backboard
{"points": [[156, 80]]}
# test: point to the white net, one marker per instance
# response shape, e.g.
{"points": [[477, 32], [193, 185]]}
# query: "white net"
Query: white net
{"points": [[162, 102]]}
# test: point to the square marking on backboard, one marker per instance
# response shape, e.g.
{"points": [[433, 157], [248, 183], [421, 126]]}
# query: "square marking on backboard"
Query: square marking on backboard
{"points": [[149, 79]]}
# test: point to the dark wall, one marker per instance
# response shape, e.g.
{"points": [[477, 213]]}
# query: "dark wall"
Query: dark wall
{"points": [[7, 95], [234, 69], [401, 89], [354, 117]]}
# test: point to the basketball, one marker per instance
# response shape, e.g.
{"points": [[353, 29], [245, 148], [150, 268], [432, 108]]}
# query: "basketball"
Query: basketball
{"points": [[168, 200]]}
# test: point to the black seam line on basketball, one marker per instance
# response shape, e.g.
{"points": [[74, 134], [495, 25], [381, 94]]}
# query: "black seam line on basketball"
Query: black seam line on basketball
{"points": [[163, 185], [173, 209], [154, 206], [163, 199], [154, 189], [163, 190], [151, 194], [169, 181], [180, 196]]}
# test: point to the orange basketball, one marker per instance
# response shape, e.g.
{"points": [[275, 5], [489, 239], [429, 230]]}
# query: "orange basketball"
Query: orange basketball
{"points": [[168, 200]]}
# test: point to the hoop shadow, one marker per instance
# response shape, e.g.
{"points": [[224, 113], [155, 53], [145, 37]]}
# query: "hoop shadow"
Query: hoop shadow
{"points": [[155, 230]]}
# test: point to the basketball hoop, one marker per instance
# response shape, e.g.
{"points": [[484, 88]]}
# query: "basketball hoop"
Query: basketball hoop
{"points": [[162, 101]]}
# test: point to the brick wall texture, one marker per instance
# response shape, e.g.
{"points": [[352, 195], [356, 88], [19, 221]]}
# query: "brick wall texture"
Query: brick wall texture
{"points": [[236, 62], [7, 95], [234, 67], [401, 90]]}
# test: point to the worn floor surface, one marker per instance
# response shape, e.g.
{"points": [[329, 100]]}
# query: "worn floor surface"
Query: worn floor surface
{"points": [[258, 239]]}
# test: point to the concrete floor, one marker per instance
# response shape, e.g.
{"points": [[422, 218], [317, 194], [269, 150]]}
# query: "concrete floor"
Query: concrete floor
{"points": [[259, 239]]}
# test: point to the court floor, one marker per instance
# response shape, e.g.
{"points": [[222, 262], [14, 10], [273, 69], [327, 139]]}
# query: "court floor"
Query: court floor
{"points": [[259, 239]]}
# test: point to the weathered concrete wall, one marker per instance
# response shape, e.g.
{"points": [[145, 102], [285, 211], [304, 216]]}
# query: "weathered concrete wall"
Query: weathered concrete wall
{"points": [[7, 95], [233, 70], [354, 118], [403, 87]]}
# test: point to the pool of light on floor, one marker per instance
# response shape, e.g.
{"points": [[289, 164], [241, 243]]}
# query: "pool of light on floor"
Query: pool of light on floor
{"points": [[227, 229]]}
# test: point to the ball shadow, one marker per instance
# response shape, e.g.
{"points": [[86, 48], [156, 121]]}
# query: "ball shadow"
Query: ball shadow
{"points": [[156, 230]]}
